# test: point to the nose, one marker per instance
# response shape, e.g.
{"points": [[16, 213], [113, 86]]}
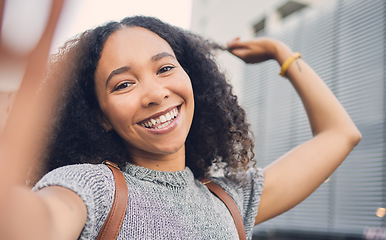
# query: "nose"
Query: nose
{"points": [[155, 93]]}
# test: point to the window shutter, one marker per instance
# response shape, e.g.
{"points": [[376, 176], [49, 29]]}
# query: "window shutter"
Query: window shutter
{"points": [[344, 41]]}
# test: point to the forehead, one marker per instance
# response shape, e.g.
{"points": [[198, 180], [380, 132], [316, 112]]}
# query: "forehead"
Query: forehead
{"points": [[131, 41]]}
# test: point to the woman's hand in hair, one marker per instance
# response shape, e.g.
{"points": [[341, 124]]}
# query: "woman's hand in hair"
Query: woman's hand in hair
{"points": [[258, 50]]}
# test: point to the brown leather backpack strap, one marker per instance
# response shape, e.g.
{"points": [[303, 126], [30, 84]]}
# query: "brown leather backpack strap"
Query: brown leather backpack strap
{"points": [[113, 223], [231, 205]]}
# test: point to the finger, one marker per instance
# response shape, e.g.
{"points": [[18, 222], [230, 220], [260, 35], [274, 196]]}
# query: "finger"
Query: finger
{"points": [[234, 42]]}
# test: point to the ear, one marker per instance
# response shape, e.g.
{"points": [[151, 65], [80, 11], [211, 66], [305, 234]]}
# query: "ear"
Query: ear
{"points": [[104, 122]]}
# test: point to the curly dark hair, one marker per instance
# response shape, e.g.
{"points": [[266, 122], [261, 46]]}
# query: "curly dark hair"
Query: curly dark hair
{"points": [[219, 136]]}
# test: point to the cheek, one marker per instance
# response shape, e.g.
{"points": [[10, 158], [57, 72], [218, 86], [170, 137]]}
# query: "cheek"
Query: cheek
{"points": [[184, 86], [186, 91], [118, 111]]}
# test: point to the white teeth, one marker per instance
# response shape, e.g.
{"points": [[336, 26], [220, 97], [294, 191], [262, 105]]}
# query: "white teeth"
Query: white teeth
{"points": [[162, 118], [168, 116], [162, 121], [163, 125]]}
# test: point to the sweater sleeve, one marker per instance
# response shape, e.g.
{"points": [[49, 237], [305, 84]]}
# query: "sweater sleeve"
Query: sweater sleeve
{"points": [[246, 194], [93, 183]]}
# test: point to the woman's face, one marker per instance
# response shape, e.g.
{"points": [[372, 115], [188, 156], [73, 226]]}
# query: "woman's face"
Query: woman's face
{"points": [[144, 93]]}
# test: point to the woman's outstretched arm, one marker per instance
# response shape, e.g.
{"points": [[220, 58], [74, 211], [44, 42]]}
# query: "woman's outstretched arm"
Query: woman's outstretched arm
{"points": [[295, 175], [51, 213]]}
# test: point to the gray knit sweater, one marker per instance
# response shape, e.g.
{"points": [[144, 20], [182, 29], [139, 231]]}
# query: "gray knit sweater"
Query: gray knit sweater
{"points": [[161, 205]]}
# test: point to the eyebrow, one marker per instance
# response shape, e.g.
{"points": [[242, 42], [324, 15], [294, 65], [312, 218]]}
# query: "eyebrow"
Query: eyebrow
{"points": [[155, 58], [117, 71], [161, 55]]}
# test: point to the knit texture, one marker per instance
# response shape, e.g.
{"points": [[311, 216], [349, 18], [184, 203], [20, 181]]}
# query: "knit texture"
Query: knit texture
{"points": [[161, 205]]}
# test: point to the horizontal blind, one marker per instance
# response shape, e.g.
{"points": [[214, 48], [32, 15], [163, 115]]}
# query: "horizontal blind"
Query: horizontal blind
{"points": [[344, 41]]}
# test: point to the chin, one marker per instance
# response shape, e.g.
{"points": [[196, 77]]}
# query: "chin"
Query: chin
{"points": [[172, 149]]}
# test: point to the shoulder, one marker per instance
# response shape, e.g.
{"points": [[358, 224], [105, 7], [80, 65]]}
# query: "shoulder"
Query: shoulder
{"points": [[246, 191], [244, 184], [93, 183], [79, 175]]}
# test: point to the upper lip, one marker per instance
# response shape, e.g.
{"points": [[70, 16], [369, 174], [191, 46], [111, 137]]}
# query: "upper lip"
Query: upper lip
{"points": [[156, 115]]}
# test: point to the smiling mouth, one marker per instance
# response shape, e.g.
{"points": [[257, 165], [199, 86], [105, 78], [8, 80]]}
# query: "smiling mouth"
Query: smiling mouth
{"points": [[161, 121]]}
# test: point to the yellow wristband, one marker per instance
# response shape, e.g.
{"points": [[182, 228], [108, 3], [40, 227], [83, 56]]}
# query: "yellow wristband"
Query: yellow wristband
{"points": [[288, 62]]}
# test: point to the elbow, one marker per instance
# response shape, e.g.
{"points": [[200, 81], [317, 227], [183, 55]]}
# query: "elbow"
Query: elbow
{"points": [[349, 136], [354, 137]]}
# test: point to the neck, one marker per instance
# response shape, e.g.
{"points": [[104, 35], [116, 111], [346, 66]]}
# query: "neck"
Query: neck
{"points": [[160, 162]]}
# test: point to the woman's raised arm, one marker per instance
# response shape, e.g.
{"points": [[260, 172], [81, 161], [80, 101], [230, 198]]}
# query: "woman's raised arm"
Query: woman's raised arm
{"points": [[295, 175]]}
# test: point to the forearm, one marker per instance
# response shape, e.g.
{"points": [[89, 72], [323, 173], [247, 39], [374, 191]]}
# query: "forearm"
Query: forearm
{"points": [[324, 111]]}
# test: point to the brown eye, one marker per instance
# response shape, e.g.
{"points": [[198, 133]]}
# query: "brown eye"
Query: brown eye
{"points": [[121, 86], [165, 69]]}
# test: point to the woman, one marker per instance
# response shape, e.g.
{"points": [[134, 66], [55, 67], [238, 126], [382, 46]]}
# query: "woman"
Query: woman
{"points": [[149, 97]]}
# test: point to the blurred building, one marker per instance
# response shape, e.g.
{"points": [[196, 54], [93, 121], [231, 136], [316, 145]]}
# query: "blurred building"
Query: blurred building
{"points": [[344, 41]]}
